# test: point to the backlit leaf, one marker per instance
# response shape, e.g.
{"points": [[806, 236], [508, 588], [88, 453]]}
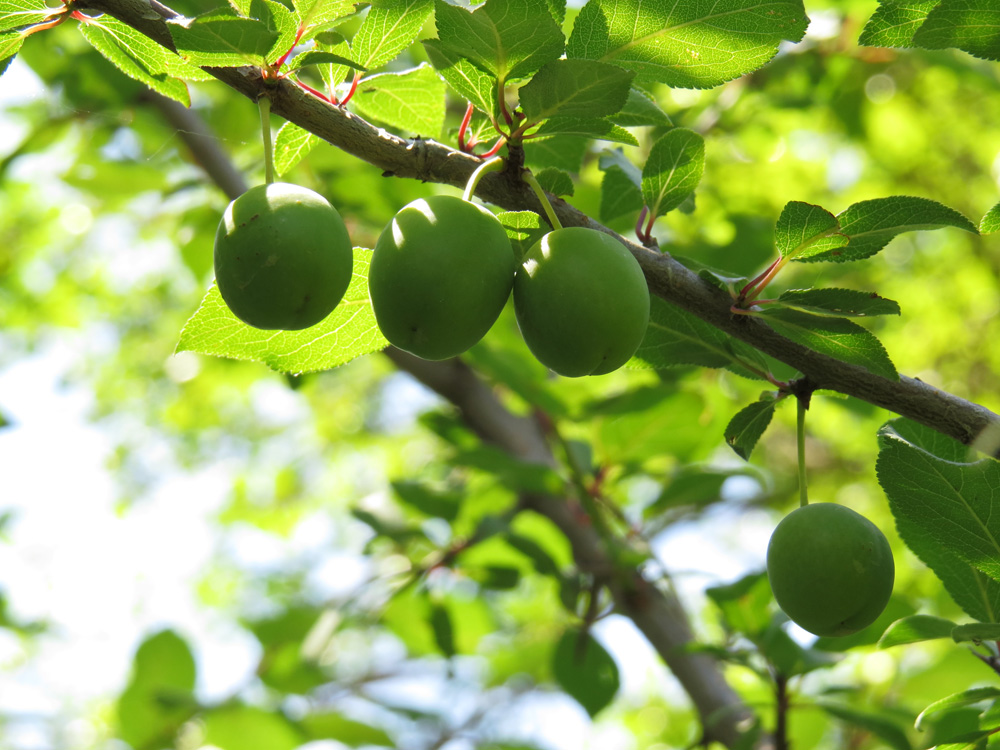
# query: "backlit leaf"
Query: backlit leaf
{"points": [[746, 428], [602, 130], [411, 101], [836, 337], [508, 38], [914, 629], [348, 332], [136, 55], [672, 170], [686, 43], [222, 40], [991, 222], [970, 25], [943, 508], [872, 224], [291, 144], [17, 13], [838, 302], [895, 22], [388, 29], [575, 88], [468, 81], [804, 229]]}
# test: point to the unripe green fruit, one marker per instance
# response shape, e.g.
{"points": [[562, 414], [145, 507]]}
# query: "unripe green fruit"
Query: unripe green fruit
{"points": [[440, 274], [830, 569], [283, 258], [581, 302]]}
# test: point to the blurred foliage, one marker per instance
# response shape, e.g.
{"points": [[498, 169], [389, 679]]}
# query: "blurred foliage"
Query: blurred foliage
{"points": [[413, 602]]}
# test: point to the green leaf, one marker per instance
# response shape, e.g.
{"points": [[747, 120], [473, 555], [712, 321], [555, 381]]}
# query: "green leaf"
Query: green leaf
{"points": [[508, 38], [575, 88], [964, 698], [838, 302], [540, 558], [835, 337], [518, 475], [9, 45], [468, 81], [672, 170], [411, 101], [237, 727], [878, 724], [17, 13], [744, 604], [222, 40], [388, 29], [747, 427], [641, 109], [158, 698], [278, 19], [348, 332], [990, 223], [334, 726], [676, 337], [976, 631], [943, 511], [333, 73], [315, 57], [430, 502], [565, 152], [872, 224], [444, 634], [691, 44], [555, 181], [788, 657], [585, 670], [317, 14], [804, 229], [524, 228], [619, 195], [895, 22], [135, 55], [914, 629], [970, 25], [602, 130], [692, 487], [496, 577], [291, 144]]}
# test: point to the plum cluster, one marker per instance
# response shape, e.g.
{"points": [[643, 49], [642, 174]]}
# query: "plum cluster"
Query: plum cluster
{"points": [[441, 272]]}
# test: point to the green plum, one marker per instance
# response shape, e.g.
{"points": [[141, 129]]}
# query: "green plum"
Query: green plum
{"points": [[581, 302], [283, 258], [830, 569], [440, 275]]}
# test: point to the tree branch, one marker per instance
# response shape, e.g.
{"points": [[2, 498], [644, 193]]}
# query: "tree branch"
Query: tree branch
{"points": [[434, 162], [657, 613]]}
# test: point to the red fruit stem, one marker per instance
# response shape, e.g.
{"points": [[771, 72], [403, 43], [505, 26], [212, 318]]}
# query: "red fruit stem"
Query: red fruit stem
{"points": [[649, 226], [639, 223], [496, 147], [350, 91], [298, 37], [464, 127], [316, 93]]}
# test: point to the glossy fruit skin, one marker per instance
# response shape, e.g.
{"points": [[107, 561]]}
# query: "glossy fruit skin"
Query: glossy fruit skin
{"points": [[831, 569], [283, 258], [581, 302], [440, 275]]}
